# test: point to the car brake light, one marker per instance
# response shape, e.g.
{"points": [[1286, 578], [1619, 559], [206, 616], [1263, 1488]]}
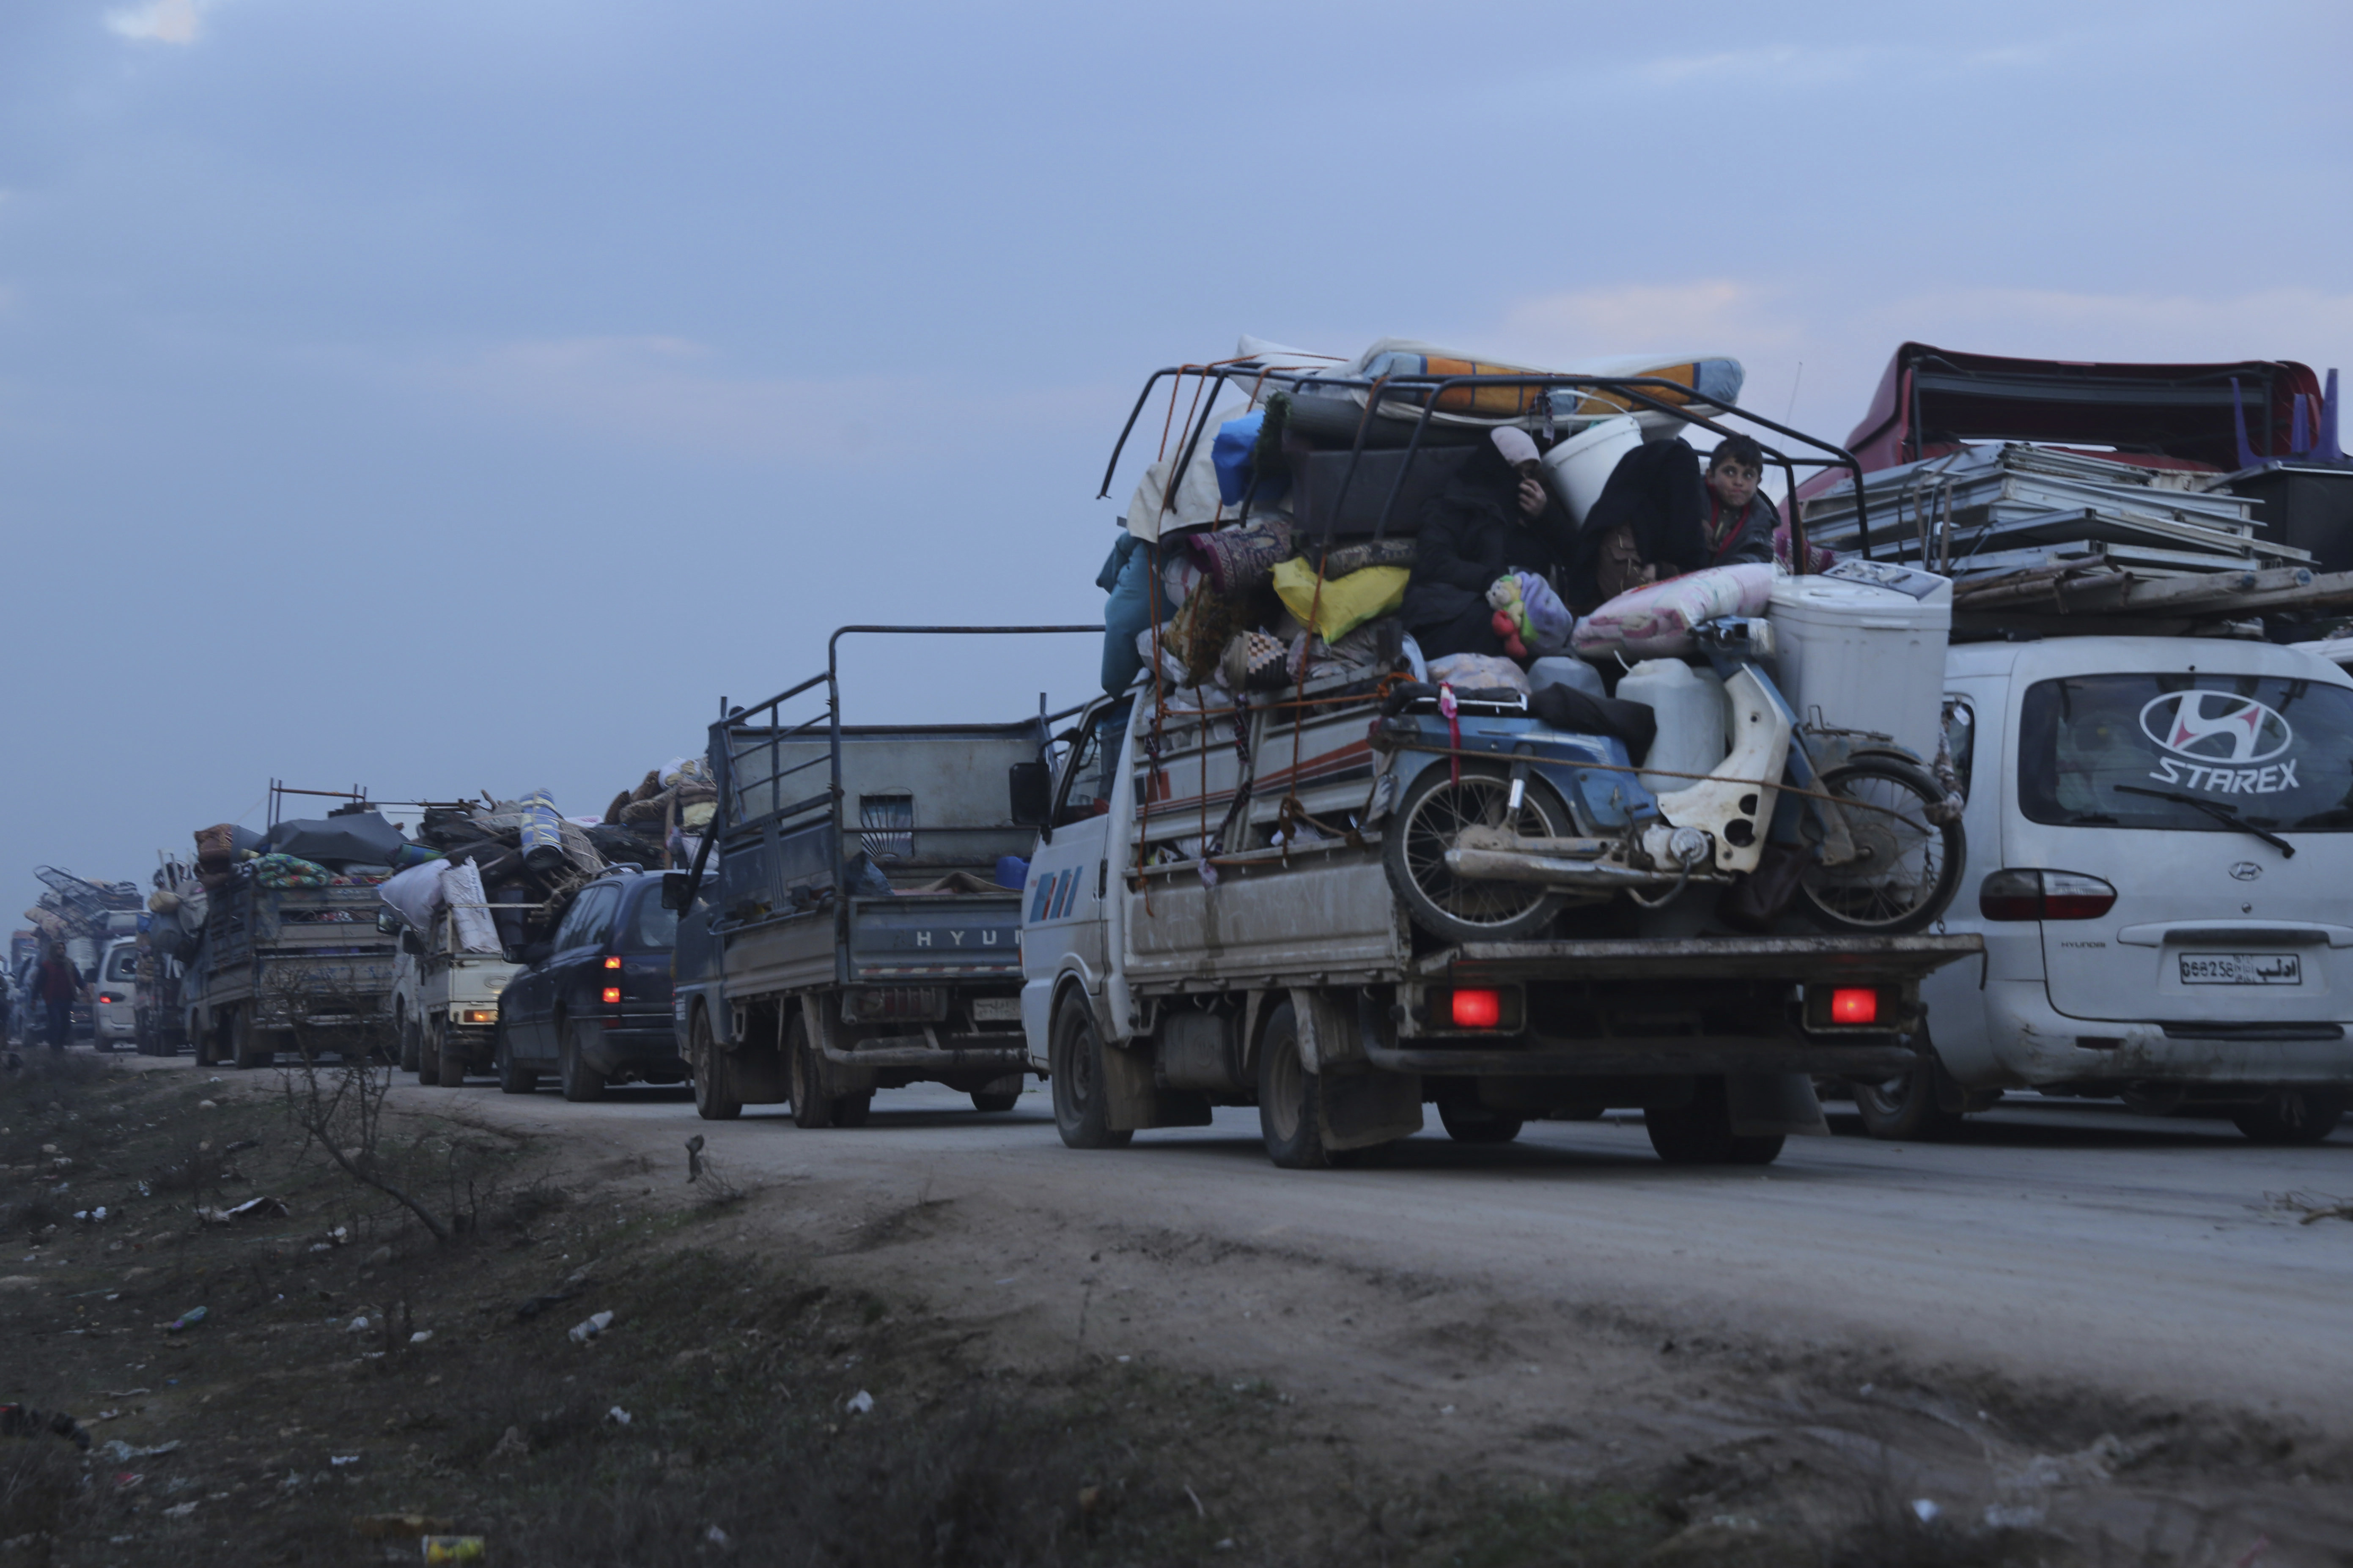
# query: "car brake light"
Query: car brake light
{"points": [[2032, 895], [1478, 1009], [612, 993], [614, 962], [106, 996], [1854, 1005]]}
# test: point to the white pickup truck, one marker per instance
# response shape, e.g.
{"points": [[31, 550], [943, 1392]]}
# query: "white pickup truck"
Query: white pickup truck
{"points": [[1293, 972], [445, 997], [2160, 846]]}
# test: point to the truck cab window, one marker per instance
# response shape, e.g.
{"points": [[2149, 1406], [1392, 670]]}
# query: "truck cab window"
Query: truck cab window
{"points": [[888, 821], [1094, 764]]}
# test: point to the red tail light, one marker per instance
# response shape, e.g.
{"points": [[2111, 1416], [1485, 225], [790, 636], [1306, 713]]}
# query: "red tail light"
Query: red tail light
{"points": [[106, 996], [1478, 1009], [612, 995], [614, 962], [1854, 1005], [2024, 895]]}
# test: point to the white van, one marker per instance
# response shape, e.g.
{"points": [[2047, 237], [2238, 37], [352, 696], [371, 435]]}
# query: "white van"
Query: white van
{"points": [[115, 995], [2160, 859]]}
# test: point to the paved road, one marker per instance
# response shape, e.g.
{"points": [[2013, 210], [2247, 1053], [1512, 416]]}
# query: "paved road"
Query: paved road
{"points": [[2055, 1242]]}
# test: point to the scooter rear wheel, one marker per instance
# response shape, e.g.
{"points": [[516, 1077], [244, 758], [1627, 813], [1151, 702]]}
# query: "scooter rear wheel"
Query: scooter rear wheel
{"points": [[1909, 866]]}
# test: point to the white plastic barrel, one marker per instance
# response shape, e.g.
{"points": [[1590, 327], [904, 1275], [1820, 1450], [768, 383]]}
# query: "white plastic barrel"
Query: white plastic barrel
{"points": [[1693, 715], [1580, 466], [1862, 647]]}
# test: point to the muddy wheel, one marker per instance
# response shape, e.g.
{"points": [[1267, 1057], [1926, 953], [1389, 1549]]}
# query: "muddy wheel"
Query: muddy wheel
{"points": [[448, 1063], [2288, 1116], [248, 1046], [1081, 1108], [1002, 1094], [207, 1046], [1699, 1131], [1468, 1122], [583, 1084], [1428, 822], [805, 1075], [715, 1095], [1909, 1108], [1909, 866], [513, 1077], [1290, 1118], [412, 1044]]}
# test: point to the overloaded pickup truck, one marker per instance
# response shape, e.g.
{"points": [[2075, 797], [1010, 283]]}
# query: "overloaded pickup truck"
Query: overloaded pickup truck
{"points": [[1350, 897]]}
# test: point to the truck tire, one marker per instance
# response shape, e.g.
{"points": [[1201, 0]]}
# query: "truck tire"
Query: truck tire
{"points": [[1699, 1131], [1909, 878], [715, 1098], [449, 1067], [1002, 1094], [1075, 1078], [805, 1077], [245, 1042], [412, 1043], [1426, 824], [582, 1085], [1468, 1122], [1908, 1109], [513, 1077], [2290, 1116], [1289, 1117], [203, 1039]]}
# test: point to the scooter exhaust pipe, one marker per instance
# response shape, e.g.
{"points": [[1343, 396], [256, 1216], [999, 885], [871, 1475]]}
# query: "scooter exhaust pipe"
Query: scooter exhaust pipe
{"points": [[1510, 866]]}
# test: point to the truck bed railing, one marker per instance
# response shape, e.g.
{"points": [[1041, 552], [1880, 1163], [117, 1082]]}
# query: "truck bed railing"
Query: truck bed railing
{"points": [[780, 814]]}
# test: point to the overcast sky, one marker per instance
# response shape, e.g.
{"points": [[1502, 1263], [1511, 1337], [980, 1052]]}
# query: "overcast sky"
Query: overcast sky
{"points": [[465, 394]]}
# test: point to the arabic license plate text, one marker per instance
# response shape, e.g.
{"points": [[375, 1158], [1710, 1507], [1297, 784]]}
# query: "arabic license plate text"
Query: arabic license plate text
{"points": [[2241, 969]]}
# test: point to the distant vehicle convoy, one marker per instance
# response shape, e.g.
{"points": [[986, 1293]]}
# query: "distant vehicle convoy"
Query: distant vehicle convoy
{"points": [[1792, 844]]}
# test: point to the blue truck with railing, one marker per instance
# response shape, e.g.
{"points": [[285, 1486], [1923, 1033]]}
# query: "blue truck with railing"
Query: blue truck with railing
{"points": [[843, 928]]}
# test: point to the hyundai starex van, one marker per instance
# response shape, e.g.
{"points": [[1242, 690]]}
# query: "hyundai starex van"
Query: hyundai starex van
{"points": [[2160, 860]]}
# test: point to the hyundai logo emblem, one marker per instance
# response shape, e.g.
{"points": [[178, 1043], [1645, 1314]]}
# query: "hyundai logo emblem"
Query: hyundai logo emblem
{"points": [[2246, 871], [2215, 727]]}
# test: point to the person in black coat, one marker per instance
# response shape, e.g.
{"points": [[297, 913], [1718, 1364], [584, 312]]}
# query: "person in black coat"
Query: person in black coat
{"points": [[1495, 516]]}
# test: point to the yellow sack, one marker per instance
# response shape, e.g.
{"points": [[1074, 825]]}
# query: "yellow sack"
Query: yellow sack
{"points": [[1346, 603]]}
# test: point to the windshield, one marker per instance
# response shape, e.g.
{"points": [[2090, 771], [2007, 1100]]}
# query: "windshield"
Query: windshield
{"points": [[656, 928], [2269, 751]]}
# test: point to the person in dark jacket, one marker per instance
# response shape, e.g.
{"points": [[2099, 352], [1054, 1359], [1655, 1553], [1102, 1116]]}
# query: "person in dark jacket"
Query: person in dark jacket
{"points": [[1740, 523], [1644, 526], [55, 986], [1495, 516]]}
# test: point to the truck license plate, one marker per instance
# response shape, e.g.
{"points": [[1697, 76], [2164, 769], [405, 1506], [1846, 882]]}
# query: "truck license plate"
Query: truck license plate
{"points": [[997, 1009], [2241, 969]]}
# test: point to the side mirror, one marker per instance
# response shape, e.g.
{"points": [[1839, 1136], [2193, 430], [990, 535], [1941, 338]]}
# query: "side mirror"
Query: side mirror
{"points": [[674, 889], [1031, 788]]}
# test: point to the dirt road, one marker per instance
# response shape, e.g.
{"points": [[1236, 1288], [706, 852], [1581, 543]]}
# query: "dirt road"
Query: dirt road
{"points": [[2068, 1311]]}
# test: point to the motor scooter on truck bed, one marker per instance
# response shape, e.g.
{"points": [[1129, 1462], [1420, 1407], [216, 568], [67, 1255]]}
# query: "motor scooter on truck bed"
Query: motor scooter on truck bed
{"points": [[1349, 898]]}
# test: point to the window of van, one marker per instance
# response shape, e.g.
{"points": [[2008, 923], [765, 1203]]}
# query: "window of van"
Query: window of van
{"points": [[2185, 751]]}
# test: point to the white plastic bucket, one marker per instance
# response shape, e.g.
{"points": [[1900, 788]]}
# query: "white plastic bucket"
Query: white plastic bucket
{"points": [[1580, 466]]}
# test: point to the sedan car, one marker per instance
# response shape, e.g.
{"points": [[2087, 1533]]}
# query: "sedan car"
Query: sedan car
{"points": [[592, 1006]]}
